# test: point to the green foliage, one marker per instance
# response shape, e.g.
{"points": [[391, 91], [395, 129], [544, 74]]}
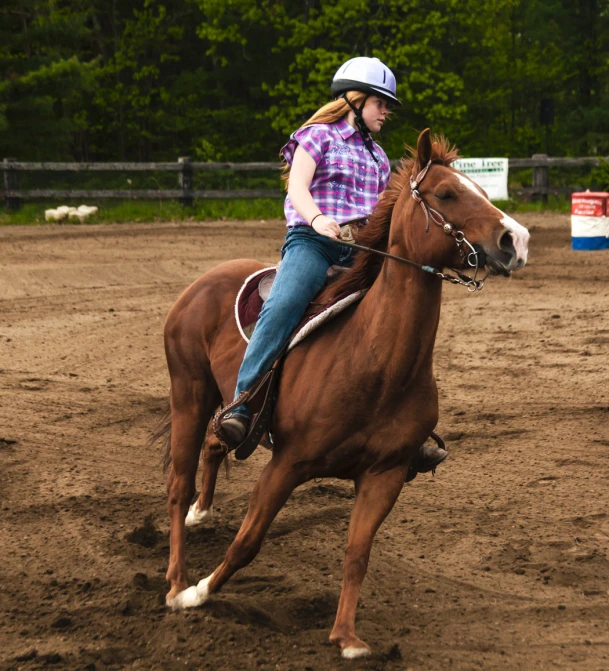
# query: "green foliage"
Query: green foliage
{"points": [[230, 79], [149, 211], [600, 175], [41, 94], [553, 204]]}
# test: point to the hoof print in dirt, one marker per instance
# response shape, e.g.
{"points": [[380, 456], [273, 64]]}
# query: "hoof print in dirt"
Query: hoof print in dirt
{"points": [[125, 607], [62, 622], [27, 656], [393, 654], [51, 658], [140, 581], [130, 605], [147, 535]]}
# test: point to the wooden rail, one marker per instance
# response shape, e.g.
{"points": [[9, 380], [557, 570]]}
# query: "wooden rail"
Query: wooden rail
{"points": [[185, 167], [171, 194], [21, 166]]}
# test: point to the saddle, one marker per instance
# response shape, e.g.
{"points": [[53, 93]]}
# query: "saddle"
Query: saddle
{"points": [[248, 304], [256, 290], [257, 287]]}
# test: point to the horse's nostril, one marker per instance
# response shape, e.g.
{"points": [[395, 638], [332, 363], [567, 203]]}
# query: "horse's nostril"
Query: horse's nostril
{"points": [[506, 243]]}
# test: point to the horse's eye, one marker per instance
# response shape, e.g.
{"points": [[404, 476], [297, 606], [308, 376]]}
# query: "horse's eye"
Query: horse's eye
{"points": [[444, 195]]}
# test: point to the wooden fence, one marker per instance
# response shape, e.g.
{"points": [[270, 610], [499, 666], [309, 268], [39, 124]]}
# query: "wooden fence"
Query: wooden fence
{"points": [[185, 167]]}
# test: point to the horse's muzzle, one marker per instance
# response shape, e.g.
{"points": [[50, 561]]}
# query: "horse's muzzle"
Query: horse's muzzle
{"points": [[510, 253]]}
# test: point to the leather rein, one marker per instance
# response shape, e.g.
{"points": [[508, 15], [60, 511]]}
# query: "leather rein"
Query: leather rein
{"points": [[475, 258]]}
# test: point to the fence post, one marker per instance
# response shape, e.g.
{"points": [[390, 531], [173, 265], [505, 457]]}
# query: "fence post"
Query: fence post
{"points": [[185, 180], [541, 177], [10, 184]]}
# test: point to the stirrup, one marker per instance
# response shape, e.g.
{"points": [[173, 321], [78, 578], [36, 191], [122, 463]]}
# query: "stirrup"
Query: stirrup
{"points": [[235, 431], [423, 463], [262, 409]]}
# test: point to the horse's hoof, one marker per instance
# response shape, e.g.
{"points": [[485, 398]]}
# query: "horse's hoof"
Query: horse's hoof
{"points": [[191, 597], [187, 598], [196, 516], [355, 653]]}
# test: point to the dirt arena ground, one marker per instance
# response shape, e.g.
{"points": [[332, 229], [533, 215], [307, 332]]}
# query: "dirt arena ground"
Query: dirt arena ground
{"points": [[499, 562]]}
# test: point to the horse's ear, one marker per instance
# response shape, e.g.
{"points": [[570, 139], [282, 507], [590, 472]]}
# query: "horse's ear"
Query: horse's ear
{"points": [[424, 148]]}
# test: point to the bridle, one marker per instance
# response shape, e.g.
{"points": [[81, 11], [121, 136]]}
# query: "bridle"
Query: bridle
{"points": [[476, 253], [475, 257]]}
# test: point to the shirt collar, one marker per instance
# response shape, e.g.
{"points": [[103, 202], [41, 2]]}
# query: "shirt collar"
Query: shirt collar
{"points": [[344, 128]]}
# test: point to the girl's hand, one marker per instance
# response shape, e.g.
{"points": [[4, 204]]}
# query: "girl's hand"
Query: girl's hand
{"points": [[326, 226]]}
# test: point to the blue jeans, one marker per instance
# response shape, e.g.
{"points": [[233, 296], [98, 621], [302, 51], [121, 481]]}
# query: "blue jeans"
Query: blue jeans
{"points": [[305, 259]]}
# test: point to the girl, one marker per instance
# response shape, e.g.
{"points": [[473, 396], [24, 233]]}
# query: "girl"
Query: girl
{"points": [[336, 174]]}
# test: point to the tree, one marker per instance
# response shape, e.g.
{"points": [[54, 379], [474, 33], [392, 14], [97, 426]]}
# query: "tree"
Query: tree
{"points": [[230, 79], [44, 81]]}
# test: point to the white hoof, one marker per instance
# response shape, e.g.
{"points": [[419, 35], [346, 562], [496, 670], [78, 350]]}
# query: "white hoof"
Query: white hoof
{"points": [[354, 653], [196, 516], [187, 598], [191, 597]]}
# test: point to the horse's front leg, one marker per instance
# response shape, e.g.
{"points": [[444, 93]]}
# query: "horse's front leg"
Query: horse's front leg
{"points": [[375, 497], [272, 490], [213, 455]]}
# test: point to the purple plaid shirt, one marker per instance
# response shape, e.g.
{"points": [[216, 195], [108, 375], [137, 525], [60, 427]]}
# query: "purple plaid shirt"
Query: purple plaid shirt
{"points": [[347, 181]]}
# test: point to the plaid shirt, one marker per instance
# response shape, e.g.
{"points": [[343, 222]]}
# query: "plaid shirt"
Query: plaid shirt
{"points": [[347, 181]]}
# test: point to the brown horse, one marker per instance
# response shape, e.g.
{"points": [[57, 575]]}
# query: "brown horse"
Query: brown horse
{"points": [[359, 411]]}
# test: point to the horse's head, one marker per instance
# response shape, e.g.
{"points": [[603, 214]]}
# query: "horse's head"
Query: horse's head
{"points": [[444, 216]]}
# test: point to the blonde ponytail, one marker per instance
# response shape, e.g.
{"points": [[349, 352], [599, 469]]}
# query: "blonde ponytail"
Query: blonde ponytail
{"points": [[329, 113]]}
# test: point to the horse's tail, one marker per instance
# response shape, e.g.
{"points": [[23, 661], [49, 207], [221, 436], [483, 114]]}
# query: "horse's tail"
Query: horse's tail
{"points": [[162, 432]]}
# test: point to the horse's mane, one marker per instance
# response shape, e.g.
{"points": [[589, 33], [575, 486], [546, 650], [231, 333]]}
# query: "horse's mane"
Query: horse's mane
{"points": [[375, 234]]}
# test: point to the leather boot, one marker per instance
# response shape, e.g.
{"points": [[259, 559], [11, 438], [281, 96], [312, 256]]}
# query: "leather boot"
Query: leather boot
{"points": [[234, 429], [426, 460]]}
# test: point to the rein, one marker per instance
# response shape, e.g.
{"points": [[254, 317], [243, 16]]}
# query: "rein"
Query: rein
{"points": [[470, 283], [462, 279]]}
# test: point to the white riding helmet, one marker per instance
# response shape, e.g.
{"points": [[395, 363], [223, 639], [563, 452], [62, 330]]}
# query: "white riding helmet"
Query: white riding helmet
{"points": [[369, 75]]}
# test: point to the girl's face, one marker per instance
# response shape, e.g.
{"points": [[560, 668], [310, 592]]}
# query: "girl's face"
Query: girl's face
{"points": [[375, 112]]}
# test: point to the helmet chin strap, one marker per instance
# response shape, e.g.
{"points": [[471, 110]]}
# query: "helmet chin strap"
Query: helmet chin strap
{"points": [[364, 131]]}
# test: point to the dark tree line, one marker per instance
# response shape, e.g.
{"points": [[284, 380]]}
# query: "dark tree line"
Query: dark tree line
{"points": [[229, 79]]}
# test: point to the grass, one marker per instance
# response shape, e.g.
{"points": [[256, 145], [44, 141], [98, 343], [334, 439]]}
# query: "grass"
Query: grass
{"points": [[554, 204], [137, 211], [134, 211]]}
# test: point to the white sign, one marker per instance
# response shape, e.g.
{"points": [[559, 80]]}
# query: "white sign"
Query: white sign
{"points": [[489, 173]]}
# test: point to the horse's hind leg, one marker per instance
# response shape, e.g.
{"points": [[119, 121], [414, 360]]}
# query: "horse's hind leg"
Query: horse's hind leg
{"points": [[375, 497], [213, 455], [192, 402], [272, 490]]}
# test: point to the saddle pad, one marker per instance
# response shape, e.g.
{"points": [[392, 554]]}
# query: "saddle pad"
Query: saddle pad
{"points": [[249, 304]]}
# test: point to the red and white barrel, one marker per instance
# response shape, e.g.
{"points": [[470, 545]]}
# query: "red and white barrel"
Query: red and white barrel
{"points": [[590, 220]]}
